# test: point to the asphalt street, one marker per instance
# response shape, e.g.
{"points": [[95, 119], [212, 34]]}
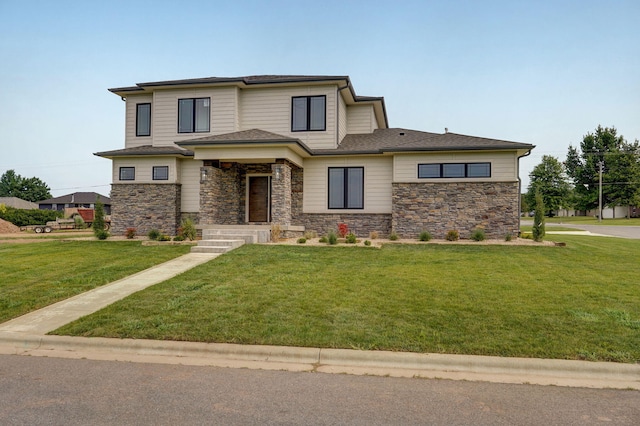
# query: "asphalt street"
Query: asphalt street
{"points": [[632, 232], [53, 391]]}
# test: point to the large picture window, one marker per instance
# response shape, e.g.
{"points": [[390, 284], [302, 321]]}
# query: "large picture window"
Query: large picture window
{"points": [[143, 119], [193, 115], [346, 187], [127, 173], [454, 170], [308, 113]]}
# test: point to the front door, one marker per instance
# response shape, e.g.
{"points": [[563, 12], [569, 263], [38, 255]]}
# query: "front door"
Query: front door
{"points": [[259, 192]]}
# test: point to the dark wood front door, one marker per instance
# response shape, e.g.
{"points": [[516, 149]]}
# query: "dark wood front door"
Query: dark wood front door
{"points": [[259, 199]]}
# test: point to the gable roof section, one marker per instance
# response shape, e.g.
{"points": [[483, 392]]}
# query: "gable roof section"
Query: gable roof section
{"points": [[404, 140], [146, 150], [253, 80], [77, 198], [18, 203]]}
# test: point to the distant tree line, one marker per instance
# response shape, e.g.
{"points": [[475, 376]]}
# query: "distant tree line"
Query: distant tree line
{"points": [[30, 189]]}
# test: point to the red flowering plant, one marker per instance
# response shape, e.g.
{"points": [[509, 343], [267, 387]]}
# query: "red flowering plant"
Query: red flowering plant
{"points": [[343, 230]]}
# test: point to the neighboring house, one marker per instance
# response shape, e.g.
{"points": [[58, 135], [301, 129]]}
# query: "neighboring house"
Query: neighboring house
{"points": [[77, 199], [18, 203], [304, 152]]}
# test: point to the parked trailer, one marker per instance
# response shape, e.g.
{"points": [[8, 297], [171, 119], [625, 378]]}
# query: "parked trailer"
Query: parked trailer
{"points": [[60, 224]]}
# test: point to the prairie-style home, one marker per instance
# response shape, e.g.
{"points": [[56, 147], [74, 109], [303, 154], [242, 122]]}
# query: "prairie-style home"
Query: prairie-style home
{"points": [[303, 152]]}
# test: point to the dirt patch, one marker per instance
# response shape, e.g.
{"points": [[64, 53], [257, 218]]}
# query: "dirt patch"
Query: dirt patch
{"points": [[8, 227], [379, 241]]}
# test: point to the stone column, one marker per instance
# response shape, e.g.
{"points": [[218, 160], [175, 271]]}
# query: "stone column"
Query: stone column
{"points": [[281, 193]]}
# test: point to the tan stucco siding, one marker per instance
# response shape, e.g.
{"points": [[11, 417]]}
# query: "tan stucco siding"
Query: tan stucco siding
{"points": [[503, 165], [144, 169], [361, 119], [190, 179], [343, 127], [131, 140], [270, 110], [377, 183], [249, 154]]}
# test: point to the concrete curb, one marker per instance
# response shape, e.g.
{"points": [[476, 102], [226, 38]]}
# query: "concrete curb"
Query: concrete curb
{"points": [[383, 363]]}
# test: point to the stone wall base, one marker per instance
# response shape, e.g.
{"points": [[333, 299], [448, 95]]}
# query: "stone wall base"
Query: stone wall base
{"points": [[145, 207], [362, 225], [441, 207]]}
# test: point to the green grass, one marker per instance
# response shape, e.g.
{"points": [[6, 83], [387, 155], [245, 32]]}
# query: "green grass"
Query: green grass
{"points": [[37, 275], [528, 228], [576, 302], [590, 220]]}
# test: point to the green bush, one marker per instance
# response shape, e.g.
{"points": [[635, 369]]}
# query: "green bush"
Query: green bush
{"points": [[332, 238], [323, 240], [179, 238], [452, 235], [424, 236], [538, 230], [189, 229], [163, 237], [154, 234], [478, 235], [508, 236], [393, 236], [79, 222], [302, 240], [98, 218], [101, 234], [22, 217], [351, 238], [367, 243]]}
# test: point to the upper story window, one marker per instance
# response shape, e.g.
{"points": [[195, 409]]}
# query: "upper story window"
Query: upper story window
{"points": [[193, 115], [143, 119], [127, 173], [454, 170], [160, 172], [346, 187], [308, 113]]}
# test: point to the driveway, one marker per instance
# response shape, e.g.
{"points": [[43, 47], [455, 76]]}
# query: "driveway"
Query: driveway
{"points": [[631, 232]]}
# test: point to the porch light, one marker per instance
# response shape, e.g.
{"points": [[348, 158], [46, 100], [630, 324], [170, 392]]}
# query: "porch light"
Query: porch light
{"points": [[278, 170], [204, 173]]}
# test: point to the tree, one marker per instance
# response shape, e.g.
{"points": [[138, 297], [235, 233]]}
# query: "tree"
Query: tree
{"points": [[538, 230], [548, 178], [621, 169], [29, 189], [98, 219]]}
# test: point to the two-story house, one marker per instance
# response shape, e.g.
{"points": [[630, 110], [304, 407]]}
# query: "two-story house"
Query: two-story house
{"points": [[304, 152]]}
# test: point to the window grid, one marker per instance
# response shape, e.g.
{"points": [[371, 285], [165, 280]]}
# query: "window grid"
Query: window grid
{"points": [[308, 113], [194, 115], [346, 188]]}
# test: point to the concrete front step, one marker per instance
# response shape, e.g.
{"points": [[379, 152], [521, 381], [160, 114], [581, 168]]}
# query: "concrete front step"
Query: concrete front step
{"points": [[250, 236]]}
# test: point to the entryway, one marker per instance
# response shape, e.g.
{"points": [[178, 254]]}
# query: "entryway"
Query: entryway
{"points": [[259, 199]]}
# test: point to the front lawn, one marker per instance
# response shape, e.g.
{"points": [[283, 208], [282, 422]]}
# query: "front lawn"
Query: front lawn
{"points": [[37, 275], [576, 302]]}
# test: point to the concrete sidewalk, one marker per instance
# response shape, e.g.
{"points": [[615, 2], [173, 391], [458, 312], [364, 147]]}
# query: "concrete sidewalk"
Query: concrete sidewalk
{"points": [[26, 335]]}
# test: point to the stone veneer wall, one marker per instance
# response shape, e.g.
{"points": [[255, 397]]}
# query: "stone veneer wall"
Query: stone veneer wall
{"points": [[281, 193], [463, 206], [220, 196], [360, 224], [145, 206]]}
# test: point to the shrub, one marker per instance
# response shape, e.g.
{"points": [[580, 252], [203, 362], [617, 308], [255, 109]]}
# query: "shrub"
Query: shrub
{"points": [[343, 230], [189, 229], [367, 242], [153, 234], [351, 238], [323, 240], [374, 235], [310, 234], [508, 236], [179, 238], [163, 237], [101, 234], [452, 235], [98, 217], [526, 236], [276, 232], [130, 233], [424, 236], [538, 219], [478, 235], [79, 222], [332, 238], [22, 217], [393, 236], [302, 240]]}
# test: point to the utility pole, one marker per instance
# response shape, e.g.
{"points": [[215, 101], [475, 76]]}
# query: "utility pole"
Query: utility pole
{"points": [[600, 164]]}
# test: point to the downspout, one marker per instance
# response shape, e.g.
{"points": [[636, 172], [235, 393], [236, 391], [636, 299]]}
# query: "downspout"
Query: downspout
{"points": [[520, 190]]}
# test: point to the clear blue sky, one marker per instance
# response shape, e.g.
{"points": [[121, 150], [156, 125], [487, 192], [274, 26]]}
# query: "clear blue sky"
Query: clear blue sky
{"points": [[540, 72]]}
